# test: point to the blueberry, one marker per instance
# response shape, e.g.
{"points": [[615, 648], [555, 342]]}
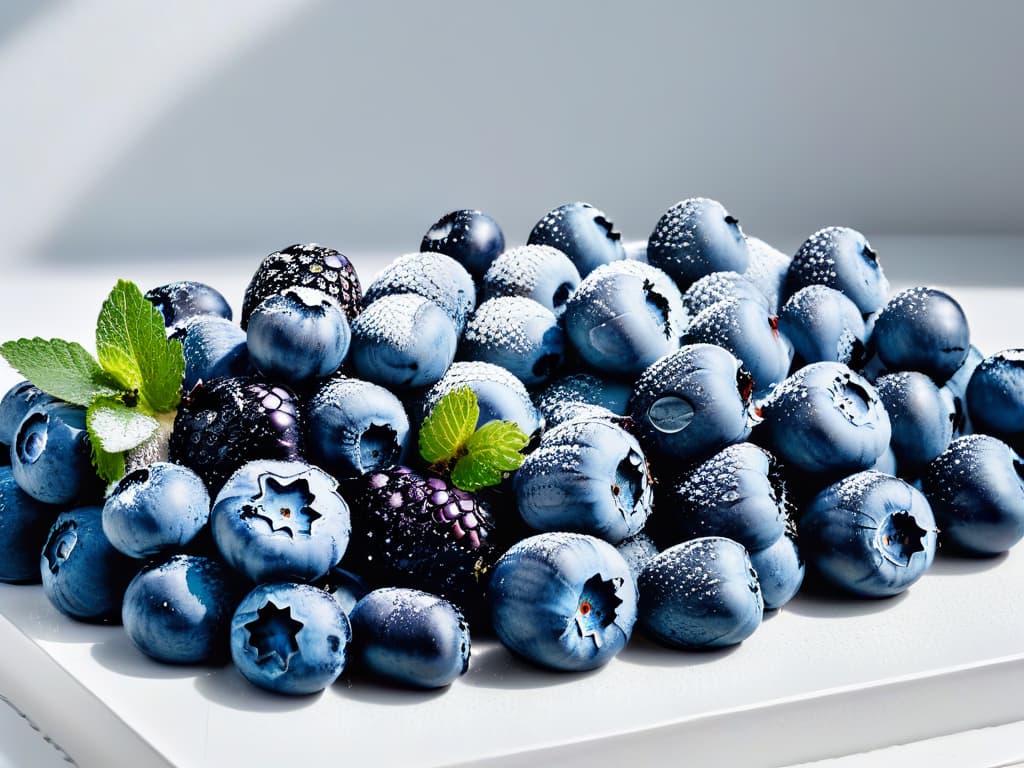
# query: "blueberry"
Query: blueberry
{"points": [[500, 395], [955, 391], [624, 316], [472, 238], [840, 258], [213, 348], [738, 493], [563, 600], [345, 587], [767, 271], [156, 509], [976, 489], [922, 329], [536, 272], [637, 551], [410, 637], [825, 419], [745, 328], [178, 610], [702, 593], [581, 232], [24, 525], [290, 638], [433, 276], [995, 397], [717, 286], [587, 476], [636, 250], [870, 534], [823, 325], [51, 455], [920, 418], [780, 571], [354, 426], [403, 341], [581, 389], [281, 520], [185, 299], [518, 334], [692, 403], [83, 575], [696, 237], [19, 400]]}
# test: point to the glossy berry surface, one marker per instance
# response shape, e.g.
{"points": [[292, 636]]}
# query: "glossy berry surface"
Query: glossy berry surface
{"points": [[871, 535], [500, 395], [433, 276], [16, 403], [780, 571], [581, 389], [51, 455], [518, 334], [24, 525], [767, 271], [290, 638], [840, 258], [719, 286], [472, 238], [185, 299], [537, 272], [995, 397], [955, 391], [178, 610], [213, 348], [563, 600], [702, 593], [823, 324], [976, 489], [921, 421], [409, 637], [158, 508], [281, 520], [696, 237], [581, 232], [922, 329]]}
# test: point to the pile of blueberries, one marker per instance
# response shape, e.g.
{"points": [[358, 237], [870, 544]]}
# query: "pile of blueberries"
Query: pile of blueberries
{"points": [[709, 419]]}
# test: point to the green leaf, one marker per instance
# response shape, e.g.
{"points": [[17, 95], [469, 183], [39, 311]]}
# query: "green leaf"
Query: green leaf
{"points": [[449, 426], [109, 466], [132, 346], [60, 368], [493, 450], [117, 428]]}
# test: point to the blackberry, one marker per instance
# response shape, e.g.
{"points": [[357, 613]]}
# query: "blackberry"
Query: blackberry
{"points": [[225, 423], [312, 266]]}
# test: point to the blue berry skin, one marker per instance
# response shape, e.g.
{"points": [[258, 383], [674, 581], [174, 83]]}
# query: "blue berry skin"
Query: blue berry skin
{"points": [[624, 316], [955, 391], [24, 525], [155, 509], [277, 520], [871, 535], [403, 342], [500, 395], [738, 493], [920, 418], [213, 348], [840, 258], [185, 299], [178, 610], [717, 286], [518, 334], [581, 232], [346, 587], [19, 400], [745, 328], [472, 238], [433, 276], [636, 250], [995, 397], [410, 637], [780, 571], [51, 455], [922, 329], [355, 426], [83, 575], [976, 489], [577, 389], [297, 335], [767, 271], [823, 325], [587, 476], [536, 272], [290, 638], [825, 419], [692, 403], [700, 594], [696, 237], [563, 600], [637, 551]]}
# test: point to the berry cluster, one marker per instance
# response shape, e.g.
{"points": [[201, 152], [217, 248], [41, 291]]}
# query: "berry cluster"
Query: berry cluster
{"points": [[557, 442]]}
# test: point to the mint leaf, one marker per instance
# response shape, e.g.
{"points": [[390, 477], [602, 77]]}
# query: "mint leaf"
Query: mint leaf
{"points": [[109, 466], [116, 427], [493, 450], [449, 426], [132, 346], [60, 368]]}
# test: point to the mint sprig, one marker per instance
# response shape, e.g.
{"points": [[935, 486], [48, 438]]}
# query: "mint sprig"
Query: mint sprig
{"points": [[136, 378], [477, 458]]}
